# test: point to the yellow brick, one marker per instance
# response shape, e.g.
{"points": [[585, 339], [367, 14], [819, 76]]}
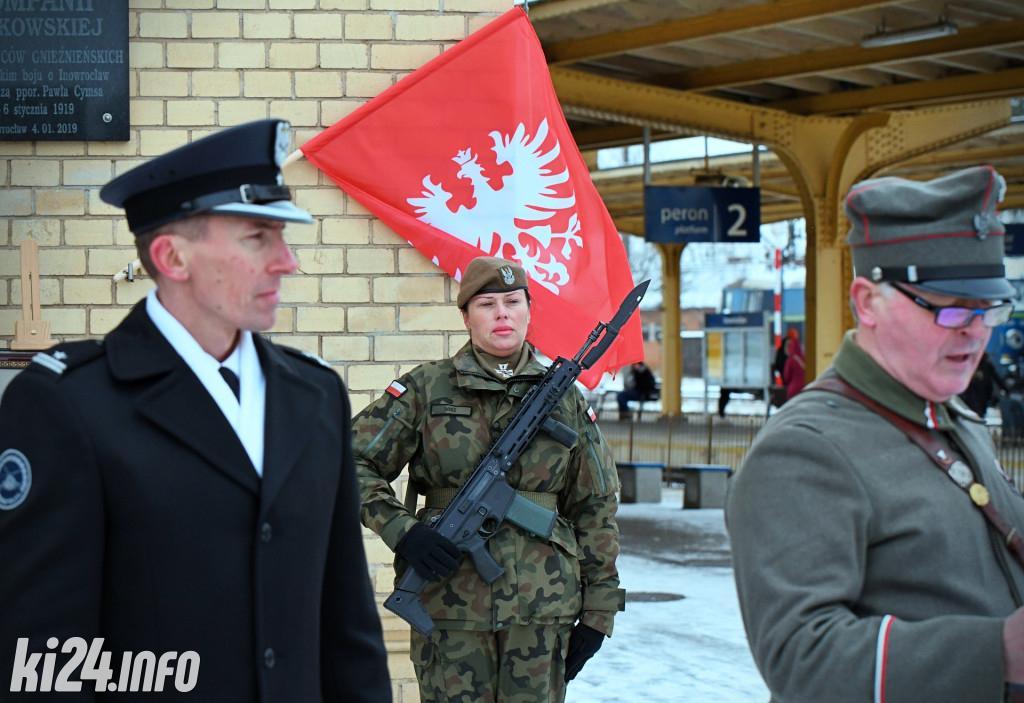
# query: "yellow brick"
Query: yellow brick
{"points": [[370, 377], [232, 112], [241, 55], [266, 25], [215, 84], [285, 321], [266, 84], [45, 233], [345, 289], [377, 552], [49, 292], [298, 112], [367, 85], [371, 319], [146, 113], [300, 289], [220, 24], [241, 4], [346, 347], [292, 55], [404, 347], [170, 25], [65, 320], [15, 202], [35, 172], [189, 4], [391, 57], [477, 6], [430, 28], [143, 55], [292, 4], [163, 84], [102, 320], [407, 5], [129, 293], [371, 261], [318, 25], [67, 149], [397, 289], [443, 316], [320, 319], [87, 291], [88, 232], [96, 206], [60, 202], [307, 343], [349, 230], [382, 235], [368, 26], [328, 201], [82, 172], [108, 261], [320, 260], [10, 262], [342, 4], [347, 54], [191, 112], [121, 149], [336, 110], [192, 54], [153, 142], [318, 84]]}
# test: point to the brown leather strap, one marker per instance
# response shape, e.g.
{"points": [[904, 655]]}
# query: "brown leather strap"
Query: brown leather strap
{"points": [[955, 469]]}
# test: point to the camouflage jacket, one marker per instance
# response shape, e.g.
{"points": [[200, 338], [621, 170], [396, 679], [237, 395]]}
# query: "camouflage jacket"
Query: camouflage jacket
{"points": [[440, 419]]}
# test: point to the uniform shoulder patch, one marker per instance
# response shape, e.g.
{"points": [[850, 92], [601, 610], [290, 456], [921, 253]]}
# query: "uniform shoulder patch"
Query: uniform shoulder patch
{"points": [[308, 356], [15, 478], [64, 357]]}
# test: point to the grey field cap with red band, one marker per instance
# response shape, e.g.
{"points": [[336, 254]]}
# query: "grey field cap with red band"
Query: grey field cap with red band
{"points": [[489, 274], [236, 171], [941, 235]]}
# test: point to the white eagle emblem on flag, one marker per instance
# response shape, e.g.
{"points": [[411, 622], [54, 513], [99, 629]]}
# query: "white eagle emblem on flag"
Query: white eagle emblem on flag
{"points": [[532, 194]]}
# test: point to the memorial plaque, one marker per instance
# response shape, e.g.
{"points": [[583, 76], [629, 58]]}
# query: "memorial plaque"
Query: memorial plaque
{"points": [[64, 70]]}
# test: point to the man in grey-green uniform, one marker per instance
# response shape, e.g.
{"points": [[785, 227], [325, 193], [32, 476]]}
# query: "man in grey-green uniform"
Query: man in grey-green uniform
{"points": [[522, 637], [865, 571]]}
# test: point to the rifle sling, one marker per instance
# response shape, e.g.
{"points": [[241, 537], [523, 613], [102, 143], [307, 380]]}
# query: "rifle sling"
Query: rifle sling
{"points": [[439, 498], [956, 470]]}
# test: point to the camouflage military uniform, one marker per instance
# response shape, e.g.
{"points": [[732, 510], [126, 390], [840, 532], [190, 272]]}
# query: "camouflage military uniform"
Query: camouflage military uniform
{"points": [[440, 419]]}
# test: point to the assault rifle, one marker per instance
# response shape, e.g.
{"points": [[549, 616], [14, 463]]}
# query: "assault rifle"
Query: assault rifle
{"points": [[486, 499]]}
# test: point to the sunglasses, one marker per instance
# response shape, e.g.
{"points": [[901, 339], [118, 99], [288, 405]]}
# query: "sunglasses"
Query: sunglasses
{"points": [[955, 317]]}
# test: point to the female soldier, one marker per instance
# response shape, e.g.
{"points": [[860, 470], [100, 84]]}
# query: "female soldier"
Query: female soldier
{"points": [[522, 637]]}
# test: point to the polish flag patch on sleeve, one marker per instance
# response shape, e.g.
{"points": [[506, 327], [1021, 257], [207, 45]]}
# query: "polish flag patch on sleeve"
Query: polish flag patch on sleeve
{"points": [[396, 389], [591, 414]]}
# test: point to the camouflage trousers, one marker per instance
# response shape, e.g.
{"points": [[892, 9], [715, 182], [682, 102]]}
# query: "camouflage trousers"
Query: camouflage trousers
{"points": [[519, 664]]}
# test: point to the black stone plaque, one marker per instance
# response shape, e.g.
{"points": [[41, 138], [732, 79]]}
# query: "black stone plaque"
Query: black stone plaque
{"points": [[64, 70]]}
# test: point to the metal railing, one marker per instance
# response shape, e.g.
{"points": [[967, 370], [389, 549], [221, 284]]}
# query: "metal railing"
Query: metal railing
{"points": [[709, 439]]}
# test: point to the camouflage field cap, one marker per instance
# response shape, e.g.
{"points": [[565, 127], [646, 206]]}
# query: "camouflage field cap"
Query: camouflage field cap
{"points": [[941, 235], [489, 274], [236, 171]]}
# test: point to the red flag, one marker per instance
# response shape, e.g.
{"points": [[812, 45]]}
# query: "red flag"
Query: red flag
{"points": [[470, 155]]}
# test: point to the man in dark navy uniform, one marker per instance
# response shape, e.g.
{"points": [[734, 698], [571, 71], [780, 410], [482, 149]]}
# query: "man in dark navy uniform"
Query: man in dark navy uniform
{"points": [[184, 489]]}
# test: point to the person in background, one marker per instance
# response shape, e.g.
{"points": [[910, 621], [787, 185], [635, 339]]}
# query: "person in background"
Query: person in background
{"points": [[184, 488], [522, 637], [793, 372], [640, 386], [981, 392], [875, 535]]}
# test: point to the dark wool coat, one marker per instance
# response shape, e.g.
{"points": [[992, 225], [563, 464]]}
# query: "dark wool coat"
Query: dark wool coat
{"points": [[146, 524]]}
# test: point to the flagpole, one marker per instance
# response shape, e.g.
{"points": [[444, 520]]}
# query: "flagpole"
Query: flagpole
{"points": [[292, 158]]}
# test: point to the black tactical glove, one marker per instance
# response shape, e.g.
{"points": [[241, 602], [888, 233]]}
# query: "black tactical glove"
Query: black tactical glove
{"points": [[583, 644], [433, 556]]}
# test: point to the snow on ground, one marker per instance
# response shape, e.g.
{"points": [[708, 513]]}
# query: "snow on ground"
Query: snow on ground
{"points": [[667, 649]]}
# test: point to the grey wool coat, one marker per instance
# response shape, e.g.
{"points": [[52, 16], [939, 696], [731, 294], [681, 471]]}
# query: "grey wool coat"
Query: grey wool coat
{"points": [[864, 572]]}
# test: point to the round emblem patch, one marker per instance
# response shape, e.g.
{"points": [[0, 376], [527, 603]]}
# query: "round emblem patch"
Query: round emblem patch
{"points": [[15, 479]]}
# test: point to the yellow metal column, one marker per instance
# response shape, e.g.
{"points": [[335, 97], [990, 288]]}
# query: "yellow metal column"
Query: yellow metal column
{"points": [[671, 344]]}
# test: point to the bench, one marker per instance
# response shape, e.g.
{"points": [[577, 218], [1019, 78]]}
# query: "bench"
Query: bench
{"points": [[611, 397], [640, 480], [705, 484]]}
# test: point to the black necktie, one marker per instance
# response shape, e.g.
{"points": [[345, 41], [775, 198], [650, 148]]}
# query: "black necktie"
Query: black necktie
{"points": [[232, 381]]}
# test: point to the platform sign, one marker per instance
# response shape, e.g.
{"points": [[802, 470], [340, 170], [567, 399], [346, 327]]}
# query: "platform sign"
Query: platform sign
{"points": [[64, 70], [701, 214]]}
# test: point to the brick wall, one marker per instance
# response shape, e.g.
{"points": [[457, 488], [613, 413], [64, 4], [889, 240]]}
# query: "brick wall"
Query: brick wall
{"points": [[363, 299]]}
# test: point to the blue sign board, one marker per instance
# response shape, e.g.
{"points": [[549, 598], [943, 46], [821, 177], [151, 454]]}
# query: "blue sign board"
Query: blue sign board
{"points": [[736, 319], [702, 214]]}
